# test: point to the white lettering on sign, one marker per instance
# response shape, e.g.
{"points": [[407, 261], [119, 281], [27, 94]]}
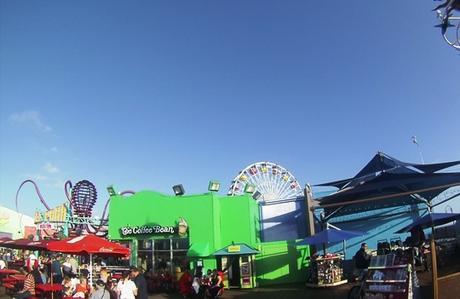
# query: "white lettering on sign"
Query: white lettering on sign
{"points": [[147, 230]]}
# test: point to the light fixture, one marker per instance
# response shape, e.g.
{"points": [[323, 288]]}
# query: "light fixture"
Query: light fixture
{"points": [[111, 190], [257, 195], [249, 188], [178, 190], [214, 186]]}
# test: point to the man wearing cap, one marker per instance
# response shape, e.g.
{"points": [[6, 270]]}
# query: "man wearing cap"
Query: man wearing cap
{"points": [[31, 262], [100, 292], [140, 282]]}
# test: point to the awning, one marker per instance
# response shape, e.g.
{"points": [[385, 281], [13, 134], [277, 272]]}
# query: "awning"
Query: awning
{"points": [[26, 244], [88, 244], [433, 219], [199, 249], [387, 182], [236, 249]]}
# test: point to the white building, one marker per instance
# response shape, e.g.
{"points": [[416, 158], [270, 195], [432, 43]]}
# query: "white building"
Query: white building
{"points": [[12, 224]]}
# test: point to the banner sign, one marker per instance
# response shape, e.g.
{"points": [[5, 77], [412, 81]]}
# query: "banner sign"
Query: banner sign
{"points": [[147, 230], [58, 214], [181, 229]]}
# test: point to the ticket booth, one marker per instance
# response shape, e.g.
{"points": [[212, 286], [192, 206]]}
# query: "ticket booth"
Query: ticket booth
{"points": [[237, 263]]}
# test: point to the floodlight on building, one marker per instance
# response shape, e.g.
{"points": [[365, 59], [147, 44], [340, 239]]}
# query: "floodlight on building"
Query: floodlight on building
{"points": [[111, 190], [178, 190], [249, 188], [257, 195], [214, 186]]}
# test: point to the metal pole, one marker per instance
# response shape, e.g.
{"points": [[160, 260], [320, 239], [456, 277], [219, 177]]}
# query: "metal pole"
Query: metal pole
{"points": [[310, 216], [434, 266], [414, 140], [322, 228], [91, 269], [171, 255]]}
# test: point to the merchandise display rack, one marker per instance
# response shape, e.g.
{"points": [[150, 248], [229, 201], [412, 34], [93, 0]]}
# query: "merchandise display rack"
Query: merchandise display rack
{"points": [[387, 279], [326, 271]]}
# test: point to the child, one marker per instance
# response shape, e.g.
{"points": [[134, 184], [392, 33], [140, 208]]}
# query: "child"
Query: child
{"points": [[67, 287]]}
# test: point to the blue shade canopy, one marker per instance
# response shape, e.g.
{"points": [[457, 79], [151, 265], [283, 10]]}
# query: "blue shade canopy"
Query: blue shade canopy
{"points": [[429, 220], [389, 182], [330, 236]]}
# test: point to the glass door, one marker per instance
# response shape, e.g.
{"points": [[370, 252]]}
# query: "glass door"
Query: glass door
{"points": [[246, 271]]}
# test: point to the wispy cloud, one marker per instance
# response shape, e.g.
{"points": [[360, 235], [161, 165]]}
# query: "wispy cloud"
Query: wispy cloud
{"points": [[50, 168], [31, 119], [47, 181], [54, 149]]}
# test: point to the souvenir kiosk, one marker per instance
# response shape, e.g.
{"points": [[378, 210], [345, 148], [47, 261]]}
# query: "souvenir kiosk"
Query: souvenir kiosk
{"points": [[389, 277], [326, 270], [237, 264]]}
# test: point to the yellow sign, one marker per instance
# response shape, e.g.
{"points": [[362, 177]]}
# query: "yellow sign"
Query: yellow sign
{"points": [[234, 248], [57, 214]]}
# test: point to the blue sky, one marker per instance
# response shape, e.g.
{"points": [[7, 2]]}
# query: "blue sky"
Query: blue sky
{"points": [[147, 94]]}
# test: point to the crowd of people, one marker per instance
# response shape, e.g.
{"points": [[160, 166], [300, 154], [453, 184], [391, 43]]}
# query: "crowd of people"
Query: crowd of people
{"points": [[73, 275], [201, 285], [69, 271], [417, 242]]}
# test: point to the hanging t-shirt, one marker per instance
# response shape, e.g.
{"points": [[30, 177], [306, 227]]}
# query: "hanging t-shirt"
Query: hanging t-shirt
{"points": [[126, 289]]}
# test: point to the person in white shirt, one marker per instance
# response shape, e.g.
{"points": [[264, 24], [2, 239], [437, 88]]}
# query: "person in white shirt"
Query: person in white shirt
{"points": [[126, 288]]}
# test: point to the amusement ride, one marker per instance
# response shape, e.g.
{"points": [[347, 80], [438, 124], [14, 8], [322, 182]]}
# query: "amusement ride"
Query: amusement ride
{"points": [[449, 20], [266, 181], [73, 217]]}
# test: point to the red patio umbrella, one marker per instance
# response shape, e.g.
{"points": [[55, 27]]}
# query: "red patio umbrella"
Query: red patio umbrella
{"points": [[26, 244], [89, 244], [3, 239]]}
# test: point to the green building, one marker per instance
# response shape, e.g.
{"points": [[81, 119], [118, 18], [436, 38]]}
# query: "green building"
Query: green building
{"points": [[208, 230]]}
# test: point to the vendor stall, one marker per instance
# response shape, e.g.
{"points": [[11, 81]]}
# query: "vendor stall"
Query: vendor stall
{"points": [[326, 271], [389, 276]]}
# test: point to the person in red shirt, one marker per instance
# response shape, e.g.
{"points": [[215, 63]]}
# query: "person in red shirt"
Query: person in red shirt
{"points": [[82, 289], [185, 284], [217, 284]]}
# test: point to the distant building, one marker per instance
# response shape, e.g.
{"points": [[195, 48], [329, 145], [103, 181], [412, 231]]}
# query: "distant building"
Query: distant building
{"points": [[15, 225]]}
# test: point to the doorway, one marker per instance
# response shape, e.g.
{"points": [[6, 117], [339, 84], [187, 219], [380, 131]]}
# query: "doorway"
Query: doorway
{"points": [[234, 272]]}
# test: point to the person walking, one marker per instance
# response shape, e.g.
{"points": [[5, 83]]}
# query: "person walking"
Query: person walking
{"points": [[100, 292], [56, 270], [126, 287], [141, 283]]}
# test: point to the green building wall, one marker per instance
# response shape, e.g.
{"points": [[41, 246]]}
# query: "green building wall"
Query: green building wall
{"points": [[281, 262], [214, 220]]}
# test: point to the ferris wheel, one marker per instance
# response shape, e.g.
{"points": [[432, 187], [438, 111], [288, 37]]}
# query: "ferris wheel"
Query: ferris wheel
{"points": [[267, 180]]}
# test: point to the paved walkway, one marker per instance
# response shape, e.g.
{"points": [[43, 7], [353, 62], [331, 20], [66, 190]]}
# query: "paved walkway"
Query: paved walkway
{"points": [[449, 289], [276, 292]]}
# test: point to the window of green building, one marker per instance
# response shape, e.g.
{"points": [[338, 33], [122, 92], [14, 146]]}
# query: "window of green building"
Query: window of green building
{"points": [[163, 254]]}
